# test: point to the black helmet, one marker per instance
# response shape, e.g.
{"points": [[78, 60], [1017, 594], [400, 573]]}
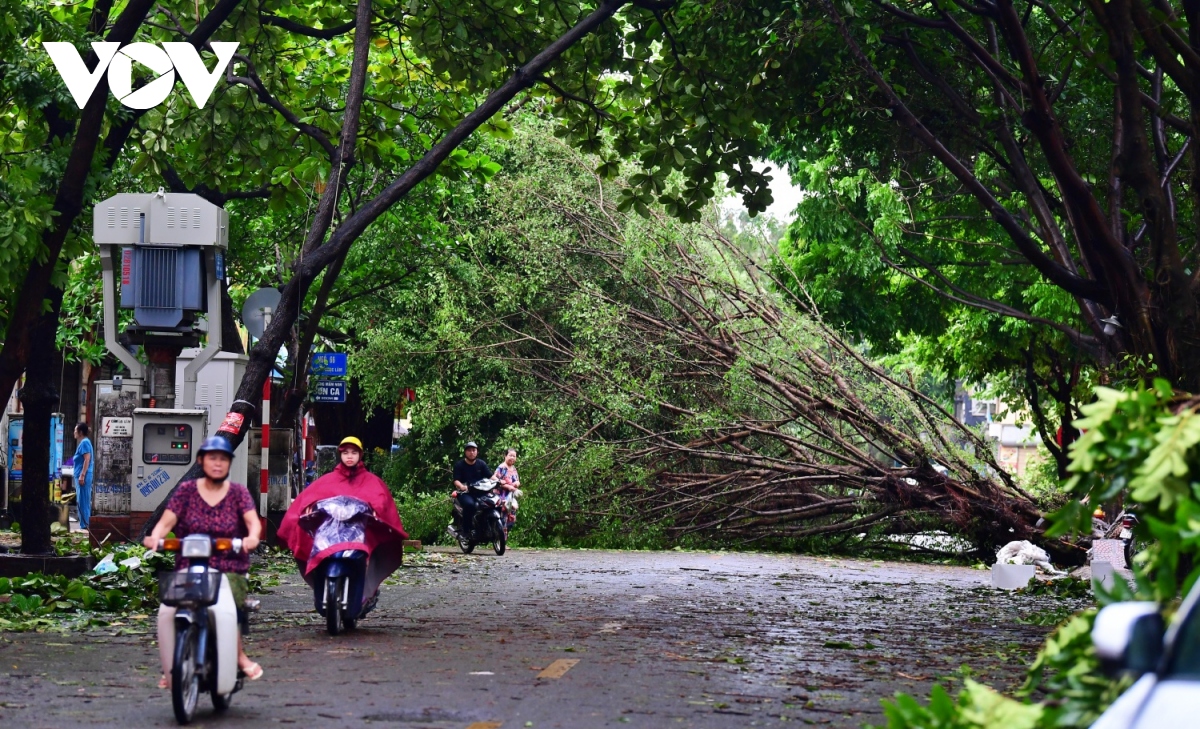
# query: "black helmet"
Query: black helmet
{"points": [[215, 444]]}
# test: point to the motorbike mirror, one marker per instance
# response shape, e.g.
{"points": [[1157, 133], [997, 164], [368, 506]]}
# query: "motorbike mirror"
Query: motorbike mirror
{"points": [[1128, 637]]}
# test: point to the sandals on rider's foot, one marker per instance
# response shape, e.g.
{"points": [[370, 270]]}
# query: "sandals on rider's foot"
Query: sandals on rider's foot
{"points": [[253, 672], [164, 681]]}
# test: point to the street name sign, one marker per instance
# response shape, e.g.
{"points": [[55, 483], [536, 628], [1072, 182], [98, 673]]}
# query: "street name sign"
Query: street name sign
{"points": [[329, 391]]}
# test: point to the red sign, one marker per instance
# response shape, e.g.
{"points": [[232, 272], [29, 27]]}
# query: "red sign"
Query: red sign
{"points": [[232, 423], [126, 266]]}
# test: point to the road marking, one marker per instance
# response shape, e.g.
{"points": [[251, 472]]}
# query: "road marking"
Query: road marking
{"points": [[558, 668], [485, 725]]}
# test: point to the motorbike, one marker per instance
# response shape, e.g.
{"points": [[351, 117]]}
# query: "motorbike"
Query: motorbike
{"points": [[491, 518], [206, 625], [339, 581], [1122, 527]]}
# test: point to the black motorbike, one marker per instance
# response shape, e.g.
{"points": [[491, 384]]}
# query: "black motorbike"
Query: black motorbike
{"points": [[490, 518]]}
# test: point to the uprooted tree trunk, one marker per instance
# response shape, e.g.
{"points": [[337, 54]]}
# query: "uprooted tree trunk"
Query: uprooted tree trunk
{"points": [[753, 420]]}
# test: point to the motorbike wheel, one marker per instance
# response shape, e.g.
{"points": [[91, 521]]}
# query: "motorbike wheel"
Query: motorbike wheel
{"points": [[351, 623], [185, 680], [221, 701], [466, 545], [1133, 546], [500, 543], [333, 613]]}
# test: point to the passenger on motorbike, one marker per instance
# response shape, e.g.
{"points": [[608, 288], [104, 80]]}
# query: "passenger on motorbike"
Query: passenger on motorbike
{"points": [[469, 469], [510, 482], [214, 506]]}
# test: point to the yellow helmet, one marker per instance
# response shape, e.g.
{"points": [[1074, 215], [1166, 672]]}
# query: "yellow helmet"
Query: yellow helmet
{"points": [[350, 441]]}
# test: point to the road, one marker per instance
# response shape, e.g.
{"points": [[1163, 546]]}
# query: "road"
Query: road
{"points": [[570, 639]]}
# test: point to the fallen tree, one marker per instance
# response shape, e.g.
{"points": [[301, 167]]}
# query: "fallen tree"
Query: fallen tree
{"points": [[764, 422], [724, 403]]}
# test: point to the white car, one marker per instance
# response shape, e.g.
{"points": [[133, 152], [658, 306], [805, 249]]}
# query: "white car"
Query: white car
{"points": [[1132, 637]]}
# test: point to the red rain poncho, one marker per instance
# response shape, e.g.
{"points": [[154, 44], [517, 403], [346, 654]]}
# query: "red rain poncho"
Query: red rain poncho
{"points": [[385, 534]]}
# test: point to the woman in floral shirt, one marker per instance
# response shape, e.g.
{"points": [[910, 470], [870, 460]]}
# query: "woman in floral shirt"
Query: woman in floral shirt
{"points": [[510, 482], [214, 506]]}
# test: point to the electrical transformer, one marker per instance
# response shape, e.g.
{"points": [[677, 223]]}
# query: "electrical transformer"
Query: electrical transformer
{"points": [[167, 253]]}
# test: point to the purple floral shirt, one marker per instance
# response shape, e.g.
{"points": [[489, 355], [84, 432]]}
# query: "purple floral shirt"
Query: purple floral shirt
{"points": [[223, 520]]}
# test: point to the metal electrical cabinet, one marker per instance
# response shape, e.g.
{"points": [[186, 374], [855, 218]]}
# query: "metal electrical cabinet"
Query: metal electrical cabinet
{"points": [[112, 440], [164, 447], [16, 452], [167, 253], [216, 386], [280, 479]]}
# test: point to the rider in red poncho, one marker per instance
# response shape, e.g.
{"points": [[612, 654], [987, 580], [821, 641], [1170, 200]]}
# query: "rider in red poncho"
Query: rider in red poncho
{"points": [[385, 535]]}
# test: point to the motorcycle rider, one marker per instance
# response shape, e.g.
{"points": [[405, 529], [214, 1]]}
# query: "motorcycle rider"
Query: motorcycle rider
{"points": [[350, 453], [469, 469], [351, 473], [349, 478], [213, 505], [510, 483]]}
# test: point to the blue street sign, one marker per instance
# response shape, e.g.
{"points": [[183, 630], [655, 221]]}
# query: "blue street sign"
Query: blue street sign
{"points": [[329, 391], [329, 364], [220, 266]]}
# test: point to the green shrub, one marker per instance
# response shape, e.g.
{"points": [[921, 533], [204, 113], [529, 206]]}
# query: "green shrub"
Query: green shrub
{"points": [[425, 516]]}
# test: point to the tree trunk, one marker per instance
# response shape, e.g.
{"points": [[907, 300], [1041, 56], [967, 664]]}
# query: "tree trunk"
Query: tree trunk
{"points": [[290, 410], [39, 396]]}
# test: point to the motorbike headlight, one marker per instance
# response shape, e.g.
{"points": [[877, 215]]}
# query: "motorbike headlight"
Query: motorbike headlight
{"points": [[199, 548]]}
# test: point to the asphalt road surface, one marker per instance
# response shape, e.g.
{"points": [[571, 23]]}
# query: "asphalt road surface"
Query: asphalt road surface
{"points": [[570, 639]]}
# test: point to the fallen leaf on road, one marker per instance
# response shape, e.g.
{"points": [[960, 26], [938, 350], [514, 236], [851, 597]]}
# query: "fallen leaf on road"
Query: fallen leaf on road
{"points": [[558, 668]]}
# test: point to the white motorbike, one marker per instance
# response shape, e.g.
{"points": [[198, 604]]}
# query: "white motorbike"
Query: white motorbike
{"points": [[206, 625]]}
